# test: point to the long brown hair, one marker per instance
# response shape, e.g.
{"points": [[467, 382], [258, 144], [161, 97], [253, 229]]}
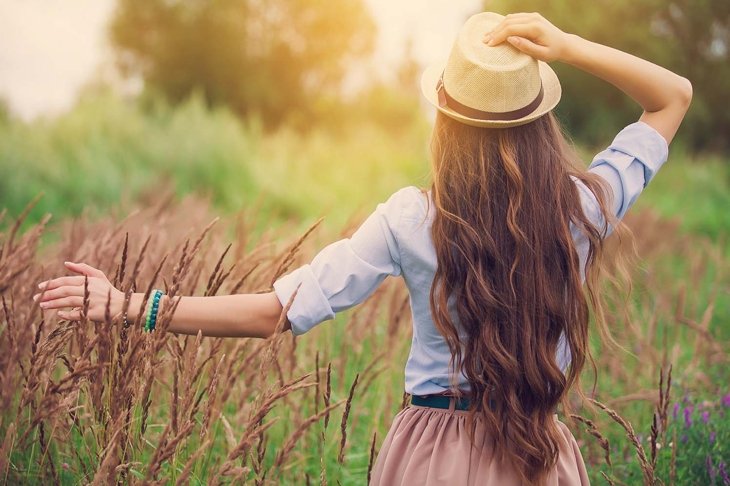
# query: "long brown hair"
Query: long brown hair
{"points": [[504, 202]]}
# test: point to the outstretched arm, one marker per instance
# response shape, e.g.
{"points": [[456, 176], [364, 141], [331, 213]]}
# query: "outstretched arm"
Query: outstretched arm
{"points": [[341, 275], [240, 315], [664, 95]]}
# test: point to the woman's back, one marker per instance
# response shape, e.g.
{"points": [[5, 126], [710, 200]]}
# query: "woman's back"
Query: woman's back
{"points": [[397, 240]]}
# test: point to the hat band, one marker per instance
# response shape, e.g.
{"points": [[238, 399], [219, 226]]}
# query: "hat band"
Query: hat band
{"points": [[447, 101]]}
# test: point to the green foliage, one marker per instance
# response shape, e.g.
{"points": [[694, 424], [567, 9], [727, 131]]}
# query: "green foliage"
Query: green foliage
{"points": [[107, 150], [701, 429], [694, 447], [275, 59], [689, 37], [695, 191]]}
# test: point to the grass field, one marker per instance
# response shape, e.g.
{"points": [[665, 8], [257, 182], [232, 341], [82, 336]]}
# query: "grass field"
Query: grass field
{"points": [[86, 403]]}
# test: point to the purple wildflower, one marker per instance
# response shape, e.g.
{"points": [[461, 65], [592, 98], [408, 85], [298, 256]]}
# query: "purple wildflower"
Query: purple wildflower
{"points": [[723, 474], [683, 438], [710, 468], [726, 400], [675, 410], [688, 416], [712, 437], [705, 416]]}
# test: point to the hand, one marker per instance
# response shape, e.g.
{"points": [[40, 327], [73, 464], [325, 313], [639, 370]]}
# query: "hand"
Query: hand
{"points": [[68, 291], [532, 34]]}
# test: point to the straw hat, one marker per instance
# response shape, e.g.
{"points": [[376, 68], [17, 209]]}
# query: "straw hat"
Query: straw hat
{"points": [[485, 86]]}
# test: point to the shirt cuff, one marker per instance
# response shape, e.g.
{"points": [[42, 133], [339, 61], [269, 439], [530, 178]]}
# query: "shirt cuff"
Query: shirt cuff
{"points": [[641, 142], [310, 305], [630, 162]]}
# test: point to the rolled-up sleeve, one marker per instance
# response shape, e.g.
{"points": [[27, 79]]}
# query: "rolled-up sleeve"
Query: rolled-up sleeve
{"points": [[345, 272], [630, 162]]}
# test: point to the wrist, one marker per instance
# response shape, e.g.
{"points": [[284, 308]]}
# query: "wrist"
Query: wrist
{"points": [[572, 46], [134, 303]]}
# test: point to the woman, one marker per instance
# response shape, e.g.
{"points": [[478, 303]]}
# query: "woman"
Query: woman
{"points": [[494, 256]]}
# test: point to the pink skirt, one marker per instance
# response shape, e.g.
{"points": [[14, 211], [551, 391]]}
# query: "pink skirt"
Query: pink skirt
{"points": [[430, 446]]}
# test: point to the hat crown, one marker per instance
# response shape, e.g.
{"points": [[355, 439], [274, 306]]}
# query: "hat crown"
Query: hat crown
{"points": [[490, 78]]}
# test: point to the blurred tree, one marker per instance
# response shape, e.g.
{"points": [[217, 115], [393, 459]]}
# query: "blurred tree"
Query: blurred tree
{"points": [[394, 104], [690, 37], [272, 58], [390, 101]]}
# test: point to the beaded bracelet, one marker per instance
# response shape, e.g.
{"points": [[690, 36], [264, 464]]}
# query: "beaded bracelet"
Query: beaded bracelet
{"points": [[151, 320]]}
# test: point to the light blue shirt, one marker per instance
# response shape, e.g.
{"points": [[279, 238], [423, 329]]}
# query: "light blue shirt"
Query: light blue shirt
{"points": [[396, 240]]}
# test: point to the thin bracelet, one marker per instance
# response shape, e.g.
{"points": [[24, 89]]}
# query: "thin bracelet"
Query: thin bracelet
{"points": [[124, 316]]}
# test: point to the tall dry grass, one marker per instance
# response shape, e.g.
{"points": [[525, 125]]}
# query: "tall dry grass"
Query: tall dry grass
{"points": [[104, 403]]}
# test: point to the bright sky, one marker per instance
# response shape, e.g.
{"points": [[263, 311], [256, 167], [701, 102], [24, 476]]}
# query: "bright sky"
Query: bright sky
{"points": [[50, 48]]}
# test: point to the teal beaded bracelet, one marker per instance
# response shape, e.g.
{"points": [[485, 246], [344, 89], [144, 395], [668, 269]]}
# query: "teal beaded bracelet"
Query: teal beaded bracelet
{"points": [[151, 320]]}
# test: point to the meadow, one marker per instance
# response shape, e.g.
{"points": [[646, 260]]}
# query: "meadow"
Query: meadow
{"points": [[196, 202]]}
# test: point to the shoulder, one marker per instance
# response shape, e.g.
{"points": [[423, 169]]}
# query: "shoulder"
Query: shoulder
{"points": [[406, 204], [406, 195], [406, 199], [632, 159]]}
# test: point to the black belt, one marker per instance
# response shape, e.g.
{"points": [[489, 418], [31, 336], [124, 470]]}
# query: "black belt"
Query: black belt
{"points": [[443, 401], [439, 401]]}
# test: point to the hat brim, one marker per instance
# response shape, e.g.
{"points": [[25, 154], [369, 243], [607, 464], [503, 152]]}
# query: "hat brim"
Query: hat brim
{"points": [[551, 97]]}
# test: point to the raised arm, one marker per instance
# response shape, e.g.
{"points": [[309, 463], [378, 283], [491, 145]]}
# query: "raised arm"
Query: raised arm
{"points": [[664, 95]]}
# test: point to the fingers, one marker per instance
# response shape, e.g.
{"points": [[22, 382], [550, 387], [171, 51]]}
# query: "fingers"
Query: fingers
{"points": [[531, 33], [528, 47], [85, 269], [520, 27], [63, 291], [69, 291], [519, 16], [61, 281], [71, 301]]}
